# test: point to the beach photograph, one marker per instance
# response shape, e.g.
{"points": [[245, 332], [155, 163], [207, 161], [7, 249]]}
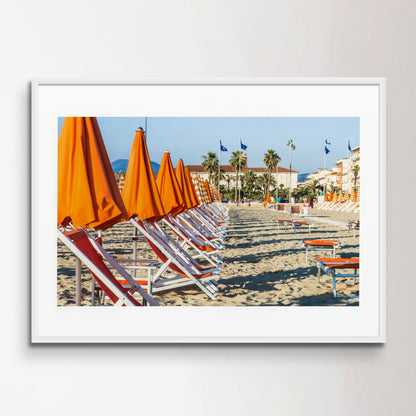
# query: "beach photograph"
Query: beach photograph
{"points": [[208, 211]]}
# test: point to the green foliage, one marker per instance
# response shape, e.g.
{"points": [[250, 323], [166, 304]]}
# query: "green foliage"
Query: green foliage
{"points": [[210, 163]]}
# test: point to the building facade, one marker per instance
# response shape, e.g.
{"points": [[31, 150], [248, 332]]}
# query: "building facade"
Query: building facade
{"points": [[344, 175], [288, 178]]}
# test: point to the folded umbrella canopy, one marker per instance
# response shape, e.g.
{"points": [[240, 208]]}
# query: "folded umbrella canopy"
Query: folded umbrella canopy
{"points": [[88, 195], [169, 189], [208, 190], [180, 175], [191, 188], [140, 194]]}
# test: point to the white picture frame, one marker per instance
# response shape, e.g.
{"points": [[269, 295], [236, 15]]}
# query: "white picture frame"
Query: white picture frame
{"points": [[360, 97]]}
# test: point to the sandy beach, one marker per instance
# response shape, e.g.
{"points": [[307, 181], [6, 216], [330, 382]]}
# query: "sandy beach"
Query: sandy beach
{"points": [[262, 265]]}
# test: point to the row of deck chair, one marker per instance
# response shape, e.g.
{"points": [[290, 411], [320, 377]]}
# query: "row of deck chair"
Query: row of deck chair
{"points": [[329, 266], [199, 235], [347, 206]]}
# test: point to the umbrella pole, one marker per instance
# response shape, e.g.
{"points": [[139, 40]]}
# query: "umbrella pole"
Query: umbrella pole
{"points": [[134, 252], [78, 282]]}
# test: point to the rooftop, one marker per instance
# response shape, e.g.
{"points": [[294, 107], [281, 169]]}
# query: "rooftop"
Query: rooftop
{"points": [[230, 169]]}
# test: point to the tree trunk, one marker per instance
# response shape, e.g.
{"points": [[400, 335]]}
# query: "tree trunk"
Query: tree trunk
{"points": [[236, 184], [268, 183]]}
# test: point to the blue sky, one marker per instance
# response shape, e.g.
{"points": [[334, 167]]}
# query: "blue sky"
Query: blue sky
{"points": [[189, 138]]}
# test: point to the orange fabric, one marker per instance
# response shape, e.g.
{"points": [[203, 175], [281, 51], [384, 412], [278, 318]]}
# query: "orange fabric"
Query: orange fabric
{"points": [[268, 199], [208, 192], [321, 242], [88, 195], [191, 188], [80, 239], [140, 194], [169, 190], [180, 175]]}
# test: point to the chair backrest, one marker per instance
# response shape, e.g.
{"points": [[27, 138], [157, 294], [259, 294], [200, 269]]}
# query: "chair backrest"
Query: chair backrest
{"points": [[295, 209], [165, 252], [280, 207], [92, 255]]}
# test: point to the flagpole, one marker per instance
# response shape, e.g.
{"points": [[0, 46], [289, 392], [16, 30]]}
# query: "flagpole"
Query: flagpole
{"points": [[239, 174], [219, 165]]}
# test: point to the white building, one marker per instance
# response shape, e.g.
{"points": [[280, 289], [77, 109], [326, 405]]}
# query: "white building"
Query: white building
{"points": [[341, 175]]}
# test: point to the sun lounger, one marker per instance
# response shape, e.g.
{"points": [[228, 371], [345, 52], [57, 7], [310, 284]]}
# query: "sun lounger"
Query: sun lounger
{"points": [[281, 207], [330, 267], [296, 225], [295, 209], [299, 224], [284, 223], [92, 254], [187, 270], [354, 226], [325, 245]]}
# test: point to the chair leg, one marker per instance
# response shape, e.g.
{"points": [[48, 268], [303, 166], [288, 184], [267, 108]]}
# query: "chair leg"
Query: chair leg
{"points": [[92, 292], [335, 287]]}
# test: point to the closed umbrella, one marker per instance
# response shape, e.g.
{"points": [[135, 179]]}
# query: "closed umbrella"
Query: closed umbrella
{"points": [[191, 188], [140, 194], [169, 190], [181, 177], [88, 195], [208, 192]]}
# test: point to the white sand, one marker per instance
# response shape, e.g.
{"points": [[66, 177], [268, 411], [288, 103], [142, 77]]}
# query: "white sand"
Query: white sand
{"points": [[262, 266]]}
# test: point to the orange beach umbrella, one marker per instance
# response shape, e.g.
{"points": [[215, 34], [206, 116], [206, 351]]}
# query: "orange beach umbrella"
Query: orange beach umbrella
{"points": [[140, 194], [191, 188], [208, 192], [195, 180], [180, 175], [88, 195], [169, 190]]}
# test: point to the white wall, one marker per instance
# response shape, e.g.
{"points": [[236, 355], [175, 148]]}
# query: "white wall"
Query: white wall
{"points": [[105, 40]]}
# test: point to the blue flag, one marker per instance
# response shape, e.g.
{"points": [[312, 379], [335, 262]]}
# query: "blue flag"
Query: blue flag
{"points": [[327, 142], [326, 150], [223, 148], [243, 146], [349, 147]]}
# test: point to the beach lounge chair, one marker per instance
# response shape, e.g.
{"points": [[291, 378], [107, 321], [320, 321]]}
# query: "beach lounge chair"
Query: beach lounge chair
{"points": [[330, 267], [284, 223], [281, 207], [326, 245], [354, 226], [295, 209], [299, 224], [187, 271], [92, 254]]}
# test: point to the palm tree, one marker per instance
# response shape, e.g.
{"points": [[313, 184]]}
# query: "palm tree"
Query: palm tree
{"points": [[249, 178], [264, 182], [355, 169], [312, 185], [237, 161], [271, 160], [210, 163]]}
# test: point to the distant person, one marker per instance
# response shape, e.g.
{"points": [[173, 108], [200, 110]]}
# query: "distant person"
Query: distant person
{"points": [[311, 202]]}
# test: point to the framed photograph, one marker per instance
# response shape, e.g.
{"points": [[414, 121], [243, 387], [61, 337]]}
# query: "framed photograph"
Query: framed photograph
{"points": [[209, 210]]}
